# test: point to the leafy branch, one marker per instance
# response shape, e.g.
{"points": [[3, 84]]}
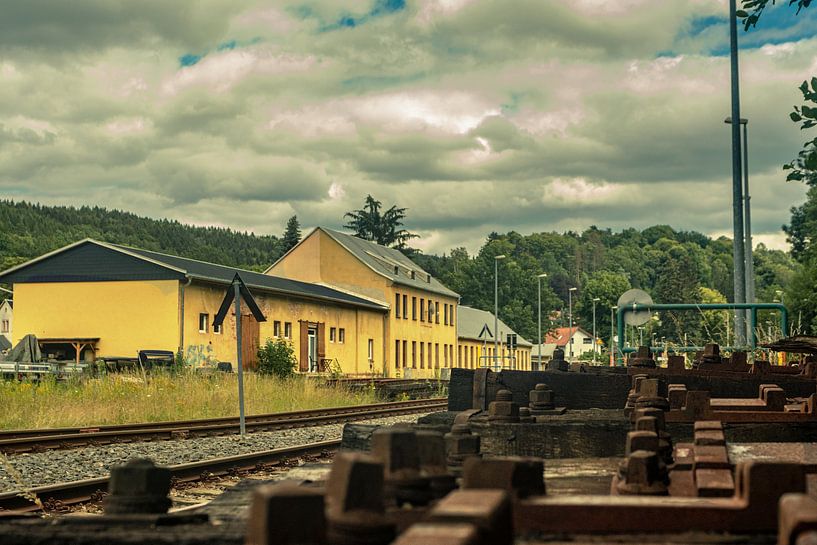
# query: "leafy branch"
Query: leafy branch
{"points": [[753, 9], [804, 167]]}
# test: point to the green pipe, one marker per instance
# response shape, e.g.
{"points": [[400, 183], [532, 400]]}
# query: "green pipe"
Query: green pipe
{"points": [[784, 315], [679, 349]]}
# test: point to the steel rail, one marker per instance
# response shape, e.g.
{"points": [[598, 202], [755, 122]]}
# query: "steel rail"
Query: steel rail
{"points": [[56, 495], [30, 440]]}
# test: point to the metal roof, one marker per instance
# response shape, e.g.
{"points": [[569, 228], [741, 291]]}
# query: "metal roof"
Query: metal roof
{"points": [[146, 264], [391, 263], [471, 321], [202, 270]]}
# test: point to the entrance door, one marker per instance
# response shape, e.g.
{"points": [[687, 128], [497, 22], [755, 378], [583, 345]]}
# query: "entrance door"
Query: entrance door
{"points": [[249, 342], [312, 350]]}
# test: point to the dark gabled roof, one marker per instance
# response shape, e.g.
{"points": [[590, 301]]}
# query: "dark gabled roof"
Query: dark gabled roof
{"points": [[471, 321], [93, 261], [5, 344]]}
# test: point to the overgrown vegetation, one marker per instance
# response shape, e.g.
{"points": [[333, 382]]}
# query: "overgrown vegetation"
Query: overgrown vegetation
{"points": [[277, 358], [119, 399]]}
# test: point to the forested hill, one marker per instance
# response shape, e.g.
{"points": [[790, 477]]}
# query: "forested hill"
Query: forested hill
{"points": [[30, 230], [673, 266]]}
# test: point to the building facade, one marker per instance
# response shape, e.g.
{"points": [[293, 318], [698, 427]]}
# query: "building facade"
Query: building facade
{"points": [[6, 319], [121, 300], [421, 330], [476, 346]]}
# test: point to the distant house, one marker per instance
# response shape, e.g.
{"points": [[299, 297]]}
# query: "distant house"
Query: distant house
{"points": [[475, 335], [6, 311], [560, 338]]}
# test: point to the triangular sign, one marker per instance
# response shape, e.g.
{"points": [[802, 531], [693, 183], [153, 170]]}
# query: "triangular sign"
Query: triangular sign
{"points": [[229, 299], [485, 330]]}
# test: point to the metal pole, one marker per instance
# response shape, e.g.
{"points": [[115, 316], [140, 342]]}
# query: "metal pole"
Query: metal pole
{"points": [[747, 216], [539, 365], [612, 336], [242, 426], [496, 310], [739, 260], [570, 329], [594, 330]]}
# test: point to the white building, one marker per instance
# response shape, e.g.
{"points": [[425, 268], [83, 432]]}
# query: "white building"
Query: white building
{"points": [[6, 311]]}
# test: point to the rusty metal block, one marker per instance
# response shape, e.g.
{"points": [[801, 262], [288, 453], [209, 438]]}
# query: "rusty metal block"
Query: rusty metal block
{"points": [[431, 450], [138, 487], [278, 512], [797, 517], [355, 505], [710, 457], [503, 409], [714, 483], [488, 510], [521, 476], [397, 449], [541, 398], [426, 533], [676, 396], [641, 440], [676, 364], [706, 425], [643, 473], [525, 415], [710, 438], [460, 444]]}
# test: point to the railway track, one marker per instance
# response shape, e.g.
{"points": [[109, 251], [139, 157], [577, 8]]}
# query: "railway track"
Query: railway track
{"points": [[20, 441], [58, 497]]}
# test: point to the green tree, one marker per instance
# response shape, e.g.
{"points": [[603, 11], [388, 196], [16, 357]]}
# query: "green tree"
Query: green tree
{"points": [[383, 228], [607, 286], [678, 283], [277, 358], [292, 235]]}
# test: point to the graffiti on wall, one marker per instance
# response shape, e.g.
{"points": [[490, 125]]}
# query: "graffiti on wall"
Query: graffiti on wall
{"points": [[200, 355]]}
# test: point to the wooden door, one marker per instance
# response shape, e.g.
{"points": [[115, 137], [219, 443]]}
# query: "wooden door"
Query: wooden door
{"points": [[249, 341], [303, 362]]}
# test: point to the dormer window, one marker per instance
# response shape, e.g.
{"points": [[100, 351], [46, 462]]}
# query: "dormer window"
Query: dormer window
{"points": [[413, 275], [396, 269]]}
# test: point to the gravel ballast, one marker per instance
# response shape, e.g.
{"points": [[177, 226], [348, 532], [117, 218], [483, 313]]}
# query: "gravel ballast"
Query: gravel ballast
{"points": [[58, 466]]}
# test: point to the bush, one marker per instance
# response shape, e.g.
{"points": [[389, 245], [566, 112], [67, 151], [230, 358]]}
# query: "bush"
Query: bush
{"points": [[277, 358]]}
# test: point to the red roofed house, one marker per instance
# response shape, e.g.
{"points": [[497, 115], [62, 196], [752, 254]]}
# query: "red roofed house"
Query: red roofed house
{"points": [[560, 338]]}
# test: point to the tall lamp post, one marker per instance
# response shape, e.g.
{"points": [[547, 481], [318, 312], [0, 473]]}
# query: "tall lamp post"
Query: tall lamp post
{"points": [[747, 223], [496, 308], [595, 300], [539, 342], [613, 309], [570, 311]]}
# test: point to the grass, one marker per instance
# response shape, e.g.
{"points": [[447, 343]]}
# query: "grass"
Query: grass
{"points": [[120, 399]]}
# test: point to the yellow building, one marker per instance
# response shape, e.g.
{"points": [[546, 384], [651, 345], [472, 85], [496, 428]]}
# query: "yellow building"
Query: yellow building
{"points": [[476, 342], [112, 301], [420, 331]]}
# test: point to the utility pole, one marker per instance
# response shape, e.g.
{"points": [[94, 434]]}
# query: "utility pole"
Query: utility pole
{"points": [[595, 344], [739, 259], [496, 308], [570, 329]]}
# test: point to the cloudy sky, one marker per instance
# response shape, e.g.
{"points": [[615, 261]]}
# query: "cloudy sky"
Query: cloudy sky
{"points": [[477, 115]]}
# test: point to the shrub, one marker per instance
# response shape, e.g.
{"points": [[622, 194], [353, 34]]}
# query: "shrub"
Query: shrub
{"points": [[277, 358]]}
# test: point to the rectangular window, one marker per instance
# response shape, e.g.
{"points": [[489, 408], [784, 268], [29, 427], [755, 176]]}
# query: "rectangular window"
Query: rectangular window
{"points": [[414, 354], [405, 307], [276, 328], [445, 314], [413, 308], [436, 312], [445, 355], [332, 334], [371, 349], [437, 355], [288, 330], [587, 340], [430, 311], [341, 335], [5, 326], [396, 305], [405, 353], [217, 328], [203, 322], [459, 356], [429, 356], [451, 320], [472, 357], [422, 310], [422, 355], [397, 354]]}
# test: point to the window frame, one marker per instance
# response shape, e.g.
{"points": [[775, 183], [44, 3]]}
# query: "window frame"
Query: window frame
{"points": [[204, 318]]}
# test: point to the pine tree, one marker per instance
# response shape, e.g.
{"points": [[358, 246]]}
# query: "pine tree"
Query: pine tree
{"points": [[292, 235]]}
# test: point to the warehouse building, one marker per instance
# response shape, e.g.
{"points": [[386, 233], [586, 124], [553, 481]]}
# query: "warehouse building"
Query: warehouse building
{"points": [[421, 330], [475, 332], [107, 300]]}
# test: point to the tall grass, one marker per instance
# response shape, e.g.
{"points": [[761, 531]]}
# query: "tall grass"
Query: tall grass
{"points": [[119, 399]]}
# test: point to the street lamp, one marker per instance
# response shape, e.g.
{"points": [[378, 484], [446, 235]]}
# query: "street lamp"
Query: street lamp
{"points": [[747, 222], [570, 329], [539, 283], [612, 334], [496, 307], [595, 300]]}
